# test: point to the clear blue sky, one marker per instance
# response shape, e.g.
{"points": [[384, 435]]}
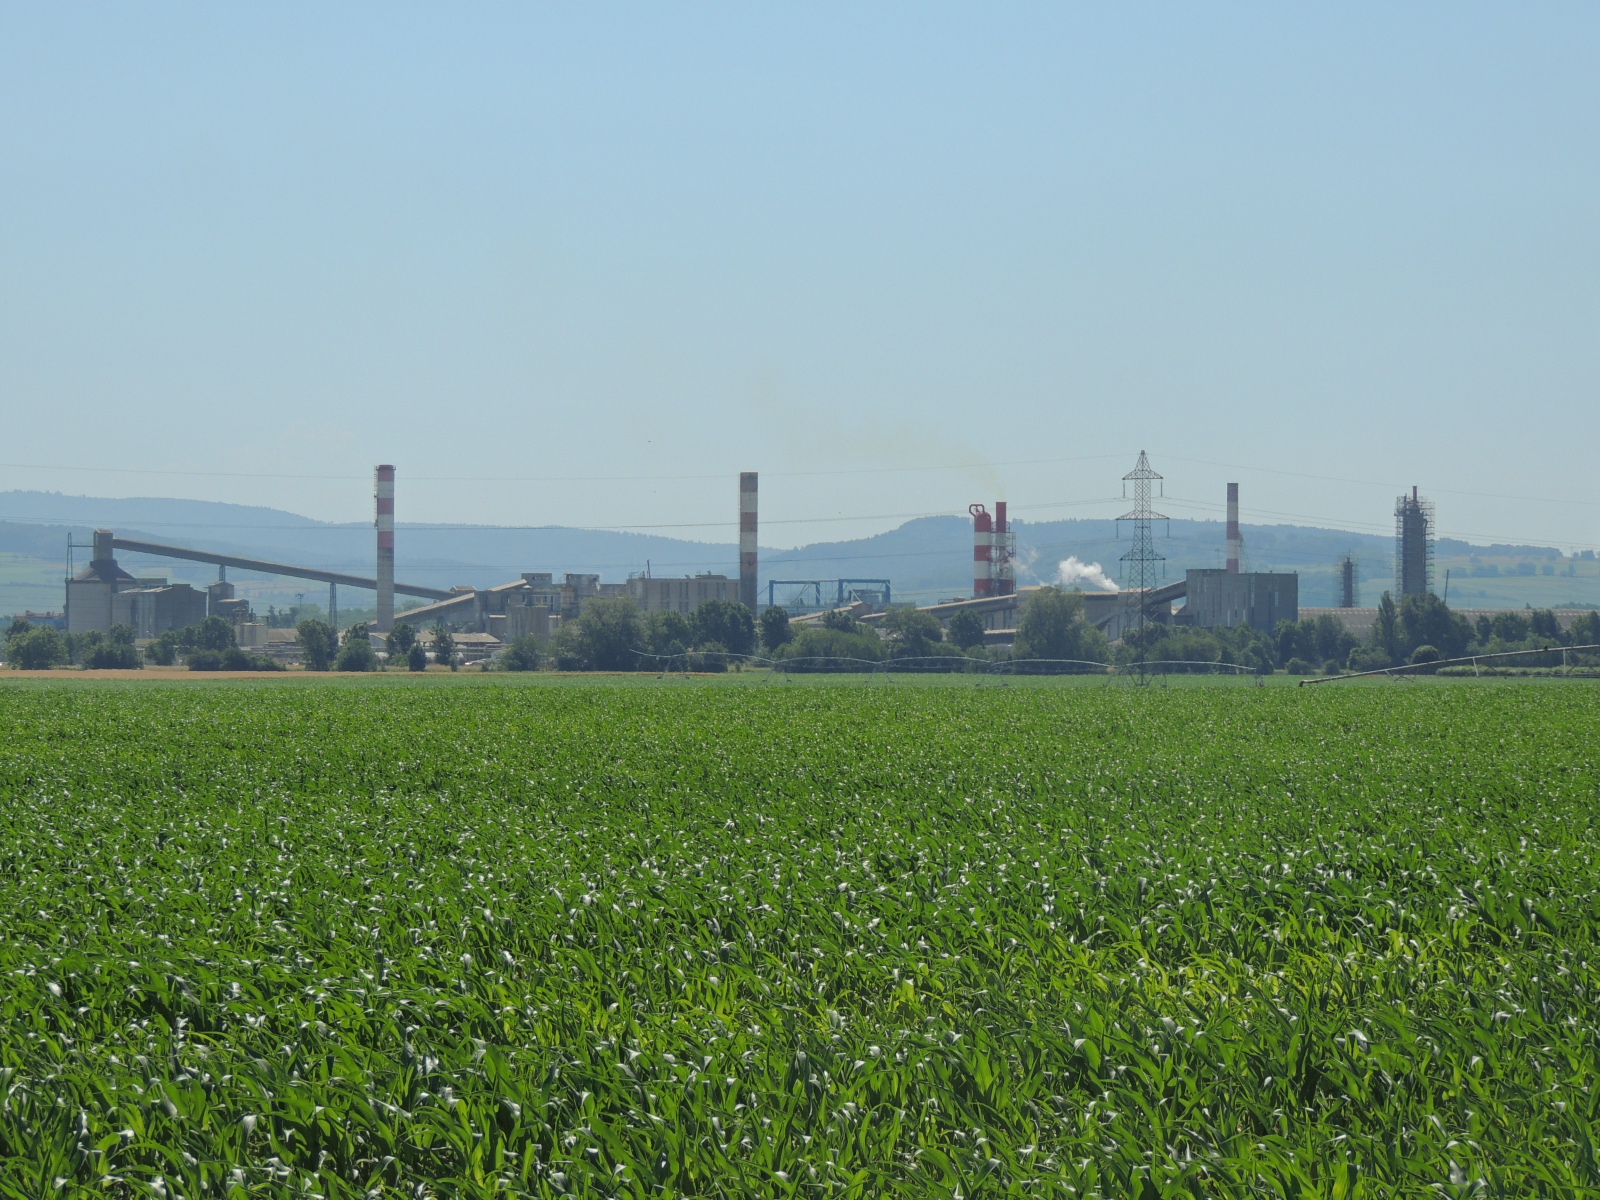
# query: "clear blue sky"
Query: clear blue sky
{"points": [[582, 263]]}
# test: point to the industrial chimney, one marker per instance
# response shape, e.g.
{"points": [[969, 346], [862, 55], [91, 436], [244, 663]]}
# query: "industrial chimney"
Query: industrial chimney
{"points": [[982, 551], [747, 539], [1000, 557], [383, 492], [1233, 529]]}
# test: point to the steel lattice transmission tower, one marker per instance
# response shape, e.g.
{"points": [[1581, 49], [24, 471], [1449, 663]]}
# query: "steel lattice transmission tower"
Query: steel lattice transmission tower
{"points": [[1141, 564]]}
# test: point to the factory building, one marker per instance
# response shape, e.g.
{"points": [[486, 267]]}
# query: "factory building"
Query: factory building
{"points": [[682, 595], [103, 595], [1223, 599], [152, 611], [89, 592]]}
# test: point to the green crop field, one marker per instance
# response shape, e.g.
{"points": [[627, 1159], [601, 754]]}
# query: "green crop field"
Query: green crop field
{"points": [[482, 936]]}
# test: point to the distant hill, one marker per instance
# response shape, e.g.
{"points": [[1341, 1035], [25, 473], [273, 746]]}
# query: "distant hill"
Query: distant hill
{"points": [[926, 559]]}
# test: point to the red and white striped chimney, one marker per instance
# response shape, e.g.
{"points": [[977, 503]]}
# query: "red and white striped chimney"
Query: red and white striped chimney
{"points": [[383, 493], [982, 550], [1233, 529], [747, 540]]}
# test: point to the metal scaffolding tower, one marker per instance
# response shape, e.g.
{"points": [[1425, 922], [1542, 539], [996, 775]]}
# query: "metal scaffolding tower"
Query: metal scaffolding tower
{"points": [[1347, 583], [1413, 545]]}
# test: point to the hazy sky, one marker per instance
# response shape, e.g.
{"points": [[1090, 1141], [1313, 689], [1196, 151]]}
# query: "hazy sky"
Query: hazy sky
{"points": [[580, 264]]}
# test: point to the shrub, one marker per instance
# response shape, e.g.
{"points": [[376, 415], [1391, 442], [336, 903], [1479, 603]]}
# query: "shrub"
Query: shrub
{"points": [[825, 649], [231, 659], [356, 654], [1299, 666], [112, 656], [1332, 667], [416, 658], [1425, 654], [711, 657], [520, 654], [1369, 658]]}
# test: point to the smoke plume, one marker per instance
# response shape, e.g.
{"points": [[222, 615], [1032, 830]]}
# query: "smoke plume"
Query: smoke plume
{"points": [[1073, 573]]}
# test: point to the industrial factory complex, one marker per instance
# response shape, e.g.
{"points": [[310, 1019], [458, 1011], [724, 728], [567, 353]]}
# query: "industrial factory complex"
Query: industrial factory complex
{"points": [[103, 595]]}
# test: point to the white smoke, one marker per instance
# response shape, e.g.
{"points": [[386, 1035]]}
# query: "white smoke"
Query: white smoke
{"points": [[1073, 573]]}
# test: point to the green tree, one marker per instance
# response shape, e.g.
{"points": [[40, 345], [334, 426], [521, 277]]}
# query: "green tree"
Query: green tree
{"points": [[520, 654], [1547, 628], [318, 644], [416, 658], [1427, 620], [840, 620], [356, 654], [81, 645], [775, 628], [728, 624], [163, 649], [1051, 626], [36, 649], [568, 649], [669, 634], [400, 640], [444, 646], [1586, 630], [911, 633], [214, 633], [965, 629], [1386, 628], [613, 633]]}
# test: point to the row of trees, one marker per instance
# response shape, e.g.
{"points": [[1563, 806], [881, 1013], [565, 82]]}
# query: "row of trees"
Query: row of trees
{"points": [[1417, 629], [323, 649], [615, 635], [40, 647], [212, 645], [1424, 629]]}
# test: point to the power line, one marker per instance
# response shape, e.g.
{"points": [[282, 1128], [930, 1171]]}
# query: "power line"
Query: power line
{"points": [[164, 471], [423, 527], [1378, 483]]}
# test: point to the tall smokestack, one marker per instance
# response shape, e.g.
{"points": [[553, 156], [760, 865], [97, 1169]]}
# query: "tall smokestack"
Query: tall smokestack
{"points": [[383, 492], [1000, 557], [982, 550], [1233, 529], [747, 539]]}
